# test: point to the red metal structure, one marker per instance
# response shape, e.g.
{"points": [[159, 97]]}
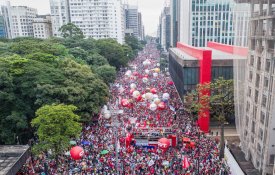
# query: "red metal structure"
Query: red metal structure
{"points": [[205, 62]]}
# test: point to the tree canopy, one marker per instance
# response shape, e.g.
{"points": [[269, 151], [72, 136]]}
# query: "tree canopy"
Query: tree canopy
{"points": [[70, 71], [70, 30]]}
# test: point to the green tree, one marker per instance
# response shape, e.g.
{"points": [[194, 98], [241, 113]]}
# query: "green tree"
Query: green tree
{"points": [[79, 53], [71, 31], [56, 125], [220, 103], [133, 42], [113, 51], [107, 73], [96, 60]]}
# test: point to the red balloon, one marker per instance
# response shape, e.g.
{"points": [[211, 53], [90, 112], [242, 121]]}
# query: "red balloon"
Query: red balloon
{"points": [[124, 102], [77, 152], [146, 76], [164, 143], [139, 98], [161, 106], [153, 91], [170, 82], [135, 73]]}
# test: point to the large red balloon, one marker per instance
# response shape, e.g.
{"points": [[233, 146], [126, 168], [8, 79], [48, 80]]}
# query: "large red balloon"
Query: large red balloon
{"points": [[124, 102], [153, 91], [77, 152], [171, 83], [161, 106], [164, 143]]}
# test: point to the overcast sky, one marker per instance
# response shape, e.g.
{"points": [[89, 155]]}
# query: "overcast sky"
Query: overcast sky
{"points": [[150, 10]]}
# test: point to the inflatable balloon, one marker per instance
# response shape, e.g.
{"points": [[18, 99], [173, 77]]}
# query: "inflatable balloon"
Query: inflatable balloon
{"points": [[131, 91], [158, 64], [165, 96], [143, 96], [136, 94], [128, 73], [145, 80], [161, 106], [139, 98], [157, 70], [153, 107], [77, 152], [148, 96], [157, 101], [107, 114], [155, 74], [124, 102], [153, 91], [163, 143], [170, 83], [155, 96], [147, 71], [133, 86], [135, 73]]}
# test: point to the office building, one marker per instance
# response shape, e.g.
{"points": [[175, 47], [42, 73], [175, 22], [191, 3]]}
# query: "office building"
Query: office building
{"points": [[165, 28], [42, 27], [132, 19], [174, 19], [256, 116], [2, 27], [98, 19], [140, 27]]}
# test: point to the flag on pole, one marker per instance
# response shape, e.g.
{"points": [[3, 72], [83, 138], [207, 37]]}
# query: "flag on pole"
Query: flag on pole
{"points": [[185, 163]]}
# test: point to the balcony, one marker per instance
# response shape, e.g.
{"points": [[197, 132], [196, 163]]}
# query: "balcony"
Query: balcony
{"points": [[271, 53]]}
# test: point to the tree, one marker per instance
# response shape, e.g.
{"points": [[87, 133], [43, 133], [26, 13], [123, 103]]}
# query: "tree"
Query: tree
{"points": [[71, 31], [107, 73], [113, 51], [96, 60], [56, 125], [221, 103]]}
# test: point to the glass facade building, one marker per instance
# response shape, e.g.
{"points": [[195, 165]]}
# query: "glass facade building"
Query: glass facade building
{"points": [[2, 28]]}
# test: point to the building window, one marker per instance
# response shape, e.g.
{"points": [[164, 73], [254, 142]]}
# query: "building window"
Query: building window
{"points": [[271, 159], [251, 60], [250, 75], [261, 133], [265, 82], [259, 63], [264, 99], [253, 127], [267, 65], [262, 118], [249, 92], [256, 96], [257, 83]]}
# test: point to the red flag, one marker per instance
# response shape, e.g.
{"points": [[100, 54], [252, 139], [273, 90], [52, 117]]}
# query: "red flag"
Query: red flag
{"points": [[185, 163]]}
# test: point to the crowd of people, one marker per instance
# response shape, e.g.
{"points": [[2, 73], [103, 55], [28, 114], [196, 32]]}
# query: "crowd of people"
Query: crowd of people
{"points": [[135, 159]]}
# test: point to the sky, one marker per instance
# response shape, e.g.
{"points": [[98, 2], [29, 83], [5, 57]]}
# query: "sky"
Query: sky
{"points": [[150, 9]]}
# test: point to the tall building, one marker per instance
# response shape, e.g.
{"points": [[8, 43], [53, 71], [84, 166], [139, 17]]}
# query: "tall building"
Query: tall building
{"points": [[17, 20], [2, 27], [206, 20], [42, 27], [174, 18], [132, 19], [98, 19], [140, 27], [60, 14], [256, 118], [165, 28]]}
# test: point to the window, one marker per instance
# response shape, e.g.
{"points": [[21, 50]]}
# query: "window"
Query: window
{"points": [[251, 61], [265, 82], [259, 147], [257, 83], [261, 133], [247, 106], [250, 75], [264, 99], [249, 92], [256, 96], [262, 118], [253, 127], [259, 63], [267, 65], [271, 159]]}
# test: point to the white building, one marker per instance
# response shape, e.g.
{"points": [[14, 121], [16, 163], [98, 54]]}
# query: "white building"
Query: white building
{"points": [[42, 27], [18, 20], [98, 19], [255, 116], [59, 14]]}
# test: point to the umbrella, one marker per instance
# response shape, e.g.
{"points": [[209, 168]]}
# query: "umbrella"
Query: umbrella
{"points": [[72, 142], [67, 153], [85, 142], [103, 152], [165, 163]]}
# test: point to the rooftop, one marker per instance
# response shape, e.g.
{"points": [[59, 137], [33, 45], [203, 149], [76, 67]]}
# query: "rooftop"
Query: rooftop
{"points": [[9, 156]]}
